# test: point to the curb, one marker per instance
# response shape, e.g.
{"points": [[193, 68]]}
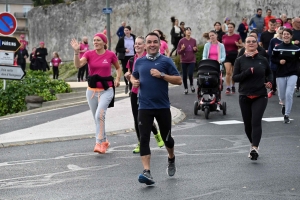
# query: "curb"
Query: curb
{"points": [[178, 118]]}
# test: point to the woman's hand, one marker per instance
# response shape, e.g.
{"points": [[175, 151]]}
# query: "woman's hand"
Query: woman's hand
{"points": [[127, 75], [75, 45], [268, 85], [117, 82], [282, 62]]}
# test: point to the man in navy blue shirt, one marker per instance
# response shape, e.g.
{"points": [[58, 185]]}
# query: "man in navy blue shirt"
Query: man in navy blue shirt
{"points": [[152, 74], [120, 32]]}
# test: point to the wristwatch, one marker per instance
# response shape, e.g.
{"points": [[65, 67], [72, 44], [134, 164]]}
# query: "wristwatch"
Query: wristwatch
{"points": [[162, 75]]}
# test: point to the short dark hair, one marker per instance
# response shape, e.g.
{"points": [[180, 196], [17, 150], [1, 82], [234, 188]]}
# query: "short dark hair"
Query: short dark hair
{"points": [[273, 21], [253, 31], [288, 30], [187, 28], [181, 23], [153, 34], [258, 9], [217, 23], [269, 10], [128, 27], [232, 24]]}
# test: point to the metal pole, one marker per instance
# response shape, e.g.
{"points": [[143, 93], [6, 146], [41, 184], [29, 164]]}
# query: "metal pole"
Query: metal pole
{"points": [[4, 81], [108, 25]]}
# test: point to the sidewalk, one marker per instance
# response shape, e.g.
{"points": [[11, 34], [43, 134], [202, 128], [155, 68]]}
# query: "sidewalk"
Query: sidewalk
{"points": [[119, 119]]}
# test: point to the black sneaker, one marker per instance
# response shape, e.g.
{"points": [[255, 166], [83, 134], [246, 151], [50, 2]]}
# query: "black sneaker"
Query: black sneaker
{"points": [[146, 178], [192, 89], [286, 119], [186, 91], [171, 170], [227, 91], [126, 89], [232, 90], [253, 155], [283, 109]]}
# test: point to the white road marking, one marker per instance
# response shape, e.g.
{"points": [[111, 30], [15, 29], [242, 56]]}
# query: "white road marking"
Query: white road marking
{"points": [[273, 119], [227, 122]]}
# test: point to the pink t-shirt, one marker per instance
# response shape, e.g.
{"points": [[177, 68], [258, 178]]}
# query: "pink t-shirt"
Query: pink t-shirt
{"points": [[134, 89], [100, 64], [24, 42], [83, 47], [55, 62], [163, 47], [213, 52], [287, 25], [229, 42]]}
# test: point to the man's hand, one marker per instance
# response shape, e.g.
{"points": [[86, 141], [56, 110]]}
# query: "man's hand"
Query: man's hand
{"points": [[135, 83], [268, 85], [155, 73], [282, 62]]}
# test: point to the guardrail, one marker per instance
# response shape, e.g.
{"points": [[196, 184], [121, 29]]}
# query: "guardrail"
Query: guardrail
{"points": [[20, 14]]}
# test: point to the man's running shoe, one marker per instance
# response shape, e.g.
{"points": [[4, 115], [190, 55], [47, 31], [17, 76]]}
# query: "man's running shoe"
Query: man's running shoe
{"points": [[146, 178], [186, 91], [286, 119], [171, 170], [227, 91], [232, 89], [253, 155], [218, 108], [192, 89], [159, 140], [283, 110], [137, 149]]}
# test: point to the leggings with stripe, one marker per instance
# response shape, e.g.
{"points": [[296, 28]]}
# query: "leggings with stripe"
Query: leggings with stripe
{"points": [[98, 102], [164, 121], [285, 87]]}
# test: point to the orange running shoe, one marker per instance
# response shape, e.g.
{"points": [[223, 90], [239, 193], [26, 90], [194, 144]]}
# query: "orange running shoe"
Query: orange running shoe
{"points": [[104, 146], [97, 148]]}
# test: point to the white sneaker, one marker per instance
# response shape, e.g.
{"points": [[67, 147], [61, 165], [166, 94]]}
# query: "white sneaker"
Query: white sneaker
{"points": [[218, 108]]}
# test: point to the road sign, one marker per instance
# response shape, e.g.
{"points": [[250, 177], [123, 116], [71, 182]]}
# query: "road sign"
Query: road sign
{"points": [[6, 58], [107, 10], [11, 72], [9, 43], [8, 23]]}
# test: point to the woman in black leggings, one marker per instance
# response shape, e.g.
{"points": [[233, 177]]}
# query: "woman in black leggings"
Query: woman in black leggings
{"points": [[254, 75]]}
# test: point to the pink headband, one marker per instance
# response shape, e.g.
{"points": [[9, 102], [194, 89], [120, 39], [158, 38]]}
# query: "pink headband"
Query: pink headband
{"points": [[42, 42], [278, 20], [102, 36]]}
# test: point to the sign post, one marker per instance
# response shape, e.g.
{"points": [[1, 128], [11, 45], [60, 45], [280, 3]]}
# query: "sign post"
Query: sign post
{"points": [[108, 11], [8, 25]]}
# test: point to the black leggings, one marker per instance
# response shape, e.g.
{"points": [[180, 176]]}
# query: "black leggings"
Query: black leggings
{"points": [[175, 44], [187, 71], [55, 72], [135, 111], [274, 85], [146, 118], [124, 63], [252, 112], [81, 71]]}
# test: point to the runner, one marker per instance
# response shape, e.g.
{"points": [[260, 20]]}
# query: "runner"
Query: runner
{"points": [[187, 47], [100, 93], [216, 51], [258, 23], [286, 56], [243, 29], [164, 48], [139, 47], [225, 25], [154, 73], [296, 40], [231, 42], [176, 34], [253, 73], [84, 47], [266, 36], [218, 29]]}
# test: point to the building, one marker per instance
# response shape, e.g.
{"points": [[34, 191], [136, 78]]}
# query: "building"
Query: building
{"points": [[19, 9]]}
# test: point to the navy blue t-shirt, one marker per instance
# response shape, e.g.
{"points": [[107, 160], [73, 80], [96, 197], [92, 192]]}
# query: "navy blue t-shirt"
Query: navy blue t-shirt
{"points": [[153, 92]]}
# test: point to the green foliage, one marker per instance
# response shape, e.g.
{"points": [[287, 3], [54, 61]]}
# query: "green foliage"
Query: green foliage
{"points": [[12, 99], [47, 2]]}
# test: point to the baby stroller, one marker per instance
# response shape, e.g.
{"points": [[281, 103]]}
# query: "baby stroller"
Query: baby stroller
{"points": [[210, 85]]}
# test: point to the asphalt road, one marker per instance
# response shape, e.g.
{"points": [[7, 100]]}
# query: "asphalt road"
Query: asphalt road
{"points": [[211, 161]]}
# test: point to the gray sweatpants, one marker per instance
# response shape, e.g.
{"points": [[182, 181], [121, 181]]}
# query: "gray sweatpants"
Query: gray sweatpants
{"points": [[98, 102], [286, 87]]}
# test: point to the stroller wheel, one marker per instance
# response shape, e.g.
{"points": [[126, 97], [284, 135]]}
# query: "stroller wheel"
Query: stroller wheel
{"points": [[206, 111], [196, 108], [224, 108]]}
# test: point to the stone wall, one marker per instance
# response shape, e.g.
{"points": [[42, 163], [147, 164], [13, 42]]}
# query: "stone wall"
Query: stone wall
{"points": [[57, 24]]}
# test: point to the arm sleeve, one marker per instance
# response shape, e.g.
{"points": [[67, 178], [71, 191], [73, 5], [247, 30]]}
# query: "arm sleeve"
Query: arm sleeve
{"points": [[223, 53], [239, 75], [172, 70], [119, 47], [269, 74], [242, 51], [275, 58], [270, 49], [135, 72], [205, 52]]}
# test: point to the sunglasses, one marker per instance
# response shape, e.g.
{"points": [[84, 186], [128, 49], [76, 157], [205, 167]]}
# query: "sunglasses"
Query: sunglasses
{"points": [[251, 41]]}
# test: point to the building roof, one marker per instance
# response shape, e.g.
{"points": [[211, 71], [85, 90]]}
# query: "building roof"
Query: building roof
{"points": [[17, 2]]}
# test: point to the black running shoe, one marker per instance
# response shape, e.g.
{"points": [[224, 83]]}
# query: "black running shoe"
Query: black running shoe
{"points": [[186, 91], [283, 110], [286, 119], [192, 89], [146, 178], [253, 155], [171, 170], [227, 91], [232, 90]]}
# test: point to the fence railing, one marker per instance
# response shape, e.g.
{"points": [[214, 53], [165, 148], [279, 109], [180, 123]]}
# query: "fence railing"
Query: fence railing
{"points": [[20, 14]]}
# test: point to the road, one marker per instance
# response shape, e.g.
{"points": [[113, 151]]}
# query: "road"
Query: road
{"points": [[211, 160]]}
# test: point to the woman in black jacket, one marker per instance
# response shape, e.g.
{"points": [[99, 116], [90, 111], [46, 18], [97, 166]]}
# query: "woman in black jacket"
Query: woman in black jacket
{"points": [[32, 59], [254, 75], [125, 50], [21, 55], [176, 35]]}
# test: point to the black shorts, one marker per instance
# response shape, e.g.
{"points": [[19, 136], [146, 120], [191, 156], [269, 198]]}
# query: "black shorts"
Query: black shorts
{"points": [[230, 57]]}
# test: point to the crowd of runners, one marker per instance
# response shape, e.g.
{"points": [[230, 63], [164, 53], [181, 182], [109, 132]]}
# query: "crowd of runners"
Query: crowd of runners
{"points": [[263, 55]]}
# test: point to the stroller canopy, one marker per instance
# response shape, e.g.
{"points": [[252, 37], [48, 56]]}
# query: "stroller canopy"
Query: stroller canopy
{"points": [[209, 65]]}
